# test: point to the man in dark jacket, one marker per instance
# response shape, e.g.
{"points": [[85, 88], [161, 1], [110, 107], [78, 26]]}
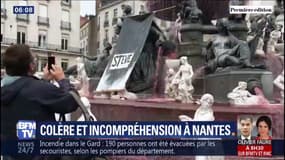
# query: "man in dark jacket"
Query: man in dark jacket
{"points": [[24, 97]]}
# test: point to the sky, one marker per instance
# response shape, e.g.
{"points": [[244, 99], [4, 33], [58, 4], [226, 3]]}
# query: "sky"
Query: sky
{"points": [[87, 7]]}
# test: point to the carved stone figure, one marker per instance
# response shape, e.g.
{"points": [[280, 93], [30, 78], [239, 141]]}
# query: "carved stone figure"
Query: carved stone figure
{"points": [[87, 104], [183, 78], [82, 77], [255, 37], [241, 96], [178, 25], [190, 12], [170, 89], [279, 82], [275, 36], [226, 50], [127, 10], [204, 113]]}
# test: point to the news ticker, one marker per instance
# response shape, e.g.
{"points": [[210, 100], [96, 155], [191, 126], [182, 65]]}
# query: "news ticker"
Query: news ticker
{"points": [[135, 138], [159, 147], [125, 129]]}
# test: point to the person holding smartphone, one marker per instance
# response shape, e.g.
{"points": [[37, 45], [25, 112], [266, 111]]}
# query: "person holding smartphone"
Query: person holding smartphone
{"points": [[24, 97]]}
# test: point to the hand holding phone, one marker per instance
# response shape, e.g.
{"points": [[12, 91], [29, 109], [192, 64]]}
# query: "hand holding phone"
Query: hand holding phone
{"points": [[51, 61]]}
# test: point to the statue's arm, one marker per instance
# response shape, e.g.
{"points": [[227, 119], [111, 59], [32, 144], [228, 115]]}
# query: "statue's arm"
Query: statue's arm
{"points": [[191, 71], [278, 83]]}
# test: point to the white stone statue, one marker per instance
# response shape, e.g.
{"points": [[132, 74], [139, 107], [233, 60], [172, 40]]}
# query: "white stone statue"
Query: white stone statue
{"points": [[204, 113], [241, 96], [279, 82], [183, 78], [87, 104], [178, 26], [170, 88], [275, 35], [82, 77]]}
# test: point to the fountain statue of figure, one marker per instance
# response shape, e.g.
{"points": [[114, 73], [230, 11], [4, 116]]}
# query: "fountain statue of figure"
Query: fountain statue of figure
{"points": [[190, 12], [226, 50], [183, 78], [170, 88], [279, 82], [82, 77], [203, 113], [241, 96]]}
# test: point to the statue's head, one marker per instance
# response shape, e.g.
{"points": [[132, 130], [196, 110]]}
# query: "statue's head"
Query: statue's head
{"points": [[207, 100], [222, 25], [183, 60], [242, 84], [171, 71]]}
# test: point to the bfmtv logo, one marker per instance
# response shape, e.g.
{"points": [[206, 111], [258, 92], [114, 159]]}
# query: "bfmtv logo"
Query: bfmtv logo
{"points": [[26, 129]]}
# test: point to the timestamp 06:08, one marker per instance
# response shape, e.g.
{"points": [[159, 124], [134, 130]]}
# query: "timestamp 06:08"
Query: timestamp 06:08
{"points": [[23, 9]]}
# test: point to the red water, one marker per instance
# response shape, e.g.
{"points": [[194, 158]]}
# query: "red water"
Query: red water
{"points": [[261, 99]]}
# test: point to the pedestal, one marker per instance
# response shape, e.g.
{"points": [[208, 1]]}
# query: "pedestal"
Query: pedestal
{"points": [[220, 84]]}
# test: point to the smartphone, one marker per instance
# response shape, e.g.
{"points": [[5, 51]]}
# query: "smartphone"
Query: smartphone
{"points": [[51, 61]]}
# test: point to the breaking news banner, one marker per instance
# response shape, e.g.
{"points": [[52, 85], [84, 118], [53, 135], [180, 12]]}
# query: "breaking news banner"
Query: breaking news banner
{"points": [[102, 138]]}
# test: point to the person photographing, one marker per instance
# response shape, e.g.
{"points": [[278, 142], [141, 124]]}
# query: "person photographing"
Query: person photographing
{"points": [[25, 97]]}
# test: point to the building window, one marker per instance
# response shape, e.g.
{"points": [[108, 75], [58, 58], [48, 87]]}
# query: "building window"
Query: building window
{"points": [[42, 40], [86, 46], [21, 35], [43, 15], [106, 15], [64, 43], [3, 9], [115, 17], [65, 20], [106, 22], [83, 46], [2, 31], [115, 11], [106, 35], [64, 64], [98, 21], [42, 62]]}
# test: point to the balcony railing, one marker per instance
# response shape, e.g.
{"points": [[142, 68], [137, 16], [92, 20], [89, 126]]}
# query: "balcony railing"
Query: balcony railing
{"points": [[10, 41], [65, 25], [114, 21], [64, 3], [106, 24], [3, 13], [43, 21], [22, 17]]}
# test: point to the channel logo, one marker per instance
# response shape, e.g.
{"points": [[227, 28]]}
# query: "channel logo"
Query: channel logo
{"points": [[26, 129]]}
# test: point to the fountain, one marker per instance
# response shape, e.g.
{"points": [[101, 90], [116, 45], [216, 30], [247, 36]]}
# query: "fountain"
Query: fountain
{"points": [[257, 71]]}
